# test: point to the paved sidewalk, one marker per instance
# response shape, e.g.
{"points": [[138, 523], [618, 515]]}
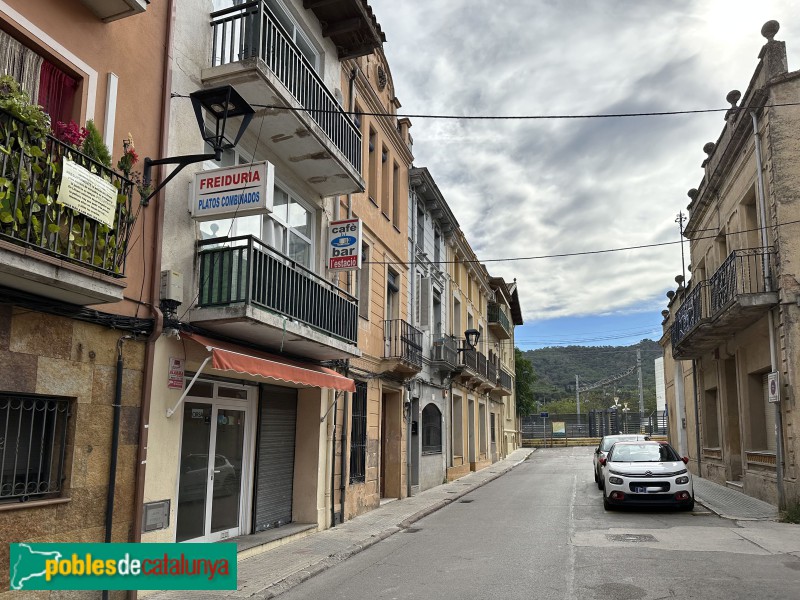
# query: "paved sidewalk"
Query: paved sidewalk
{"points": [[732, 504], [268, 574]]}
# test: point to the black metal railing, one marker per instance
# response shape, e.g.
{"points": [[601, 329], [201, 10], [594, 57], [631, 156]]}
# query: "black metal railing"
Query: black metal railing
{"points": [[244, 269], [693, 311], [402, 340], [481, 363], [506, 380], [468, 357], [31, 172], [251, 30], [33, 438], [741, 273], [496, 315], [491, 372], [445, 350], [358, 438]]}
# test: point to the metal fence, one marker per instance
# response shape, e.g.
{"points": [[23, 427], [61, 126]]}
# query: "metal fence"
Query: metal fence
{"points": [[741, 273], [596, 423], [402, 340]]}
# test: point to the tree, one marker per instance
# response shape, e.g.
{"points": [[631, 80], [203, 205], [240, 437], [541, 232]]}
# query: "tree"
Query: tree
{"points": [[523, 386]]}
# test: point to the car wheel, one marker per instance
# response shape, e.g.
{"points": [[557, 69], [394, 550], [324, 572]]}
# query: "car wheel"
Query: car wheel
{"points": [[600, 483], [688, 507], [596, 478], [606, 504]]}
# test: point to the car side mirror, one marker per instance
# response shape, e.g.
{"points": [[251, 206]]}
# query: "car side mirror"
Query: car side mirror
{"points": [[603, 461], [685, 460]]}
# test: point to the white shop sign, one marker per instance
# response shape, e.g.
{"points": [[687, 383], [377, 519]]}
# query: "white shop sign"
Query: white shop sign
{"points": [[344, 245], [233, 191]]}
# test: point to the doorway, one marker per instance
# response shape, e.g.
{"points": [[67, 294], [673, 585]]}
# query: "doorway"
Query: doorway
{"points": [[391, 448], [215, 478]]}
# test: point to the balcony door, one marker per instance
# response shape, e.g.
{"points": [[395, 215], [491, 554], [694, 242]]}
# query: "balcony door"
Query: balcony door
{"points": [[215, 478]]}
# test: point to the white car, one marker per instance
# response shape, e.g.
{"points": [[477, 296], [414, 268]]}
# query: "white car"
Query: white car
{"points": [[605, 445], [646, 473]]}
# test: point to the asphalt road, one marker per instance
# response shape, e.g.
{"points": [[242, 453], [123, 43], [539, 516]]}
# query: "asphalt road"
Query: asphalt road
{"points": [[540, 532]]}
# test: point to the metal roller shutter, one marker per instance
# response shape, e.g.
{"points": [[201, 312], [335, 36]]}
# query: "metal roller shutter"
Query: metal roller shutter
{"points": [[769, 414], [275, 475]]}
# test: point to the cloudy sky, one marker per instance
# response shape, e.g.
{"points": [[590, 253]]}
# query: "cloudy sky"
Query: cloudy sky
{"points": [[523, 188]]}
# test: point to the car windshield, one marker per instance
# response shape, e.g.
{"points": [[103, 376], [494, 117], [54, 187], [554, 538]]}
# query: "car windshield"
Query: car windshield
{"points": [[643, 453], [609, 441]]}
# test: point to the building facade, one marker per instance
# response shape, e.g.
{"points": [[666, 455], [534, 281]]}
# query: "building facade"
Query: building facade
{"points": [[76, 310], [734, 322], [250, 375]]}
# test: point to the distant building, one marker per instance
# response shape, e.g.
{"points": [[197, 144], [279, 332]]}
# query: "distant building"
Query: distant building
{"points": [[735, 320]]}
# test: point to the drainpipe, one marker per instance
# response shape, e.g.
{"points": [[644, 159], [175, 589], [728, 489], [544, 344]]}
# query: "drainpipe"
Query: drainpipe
{"points": [[112, 469], [770, 318], [342, 479], [333, 462], [696, 416]]}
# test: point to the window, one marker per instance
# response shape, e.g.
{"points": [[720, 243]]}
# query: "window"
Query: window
{"points": [[358, 437], [33, 441], [295, 33], [385, 182], [420, 229], [431, 430], [396, 196], [437, 242], [372, 177], [392, 291], [710, 420], [363, 283]]}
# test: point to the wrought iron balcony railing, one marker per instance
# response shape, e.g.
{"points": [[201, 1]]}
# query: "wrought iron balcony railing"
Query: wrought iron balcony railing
{"points": [[402, 340], [468, 356], [741, 273], [30, 215], [445, 350], [491, 372], [496, 315], [251, 30], [693, 311], [506, 380], [481, 363], [244, 269]]}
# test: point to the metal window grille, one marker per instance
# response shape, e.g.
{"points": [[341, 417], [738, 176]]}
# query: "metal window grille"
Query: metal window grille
{"points": [[33, 435], [358, 439], [431, 430]]}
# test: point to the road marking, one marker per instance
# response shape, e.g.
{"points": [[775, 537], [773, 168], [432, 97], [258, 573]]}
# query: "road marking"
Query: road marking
{"points": [[570, 592]]}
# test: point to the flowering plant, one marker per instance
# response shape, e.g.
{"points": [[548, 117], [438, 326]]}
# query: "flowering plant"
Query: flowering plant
{"points": [[129, 156], [70, 133]]}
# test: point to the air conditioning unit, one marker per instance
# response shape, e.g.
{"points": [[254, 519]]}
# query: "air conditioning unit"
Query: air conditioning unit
{"points": [[111, 10]]}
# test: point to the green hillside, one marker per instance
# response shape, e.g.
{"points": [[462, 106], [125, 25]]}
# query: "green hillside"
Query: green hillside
{"points": [[556, 367]]}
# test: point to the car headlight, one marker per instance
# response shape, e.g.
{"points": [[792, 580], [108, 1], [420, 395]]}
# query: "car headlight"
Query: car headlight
{"points": [[682, 480], [615, 480]]}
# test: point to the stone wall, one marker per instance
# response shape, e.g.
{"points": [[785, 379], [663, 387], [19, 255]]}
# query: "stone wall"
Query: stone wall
{"points": [[58, 356]]}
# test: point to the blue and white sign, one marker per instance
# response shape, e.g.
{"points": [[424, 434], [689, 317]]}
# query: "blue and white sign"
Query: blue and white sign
{"points": [[233, 191], [344, 245]]}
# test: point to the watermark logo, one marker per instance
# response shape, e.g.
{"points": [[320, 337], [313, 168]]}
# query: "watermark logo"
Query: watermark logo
{"points": [[122, 566]]}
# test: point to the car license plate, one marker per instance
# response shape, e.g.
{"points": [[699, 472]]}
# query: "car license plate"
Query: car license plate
{"points": [[646, 490]]}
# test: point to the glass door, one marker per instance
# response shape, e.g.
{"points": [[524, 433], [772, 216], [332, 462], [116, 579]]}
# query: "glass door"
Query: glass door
{"points": [[213, 479]]}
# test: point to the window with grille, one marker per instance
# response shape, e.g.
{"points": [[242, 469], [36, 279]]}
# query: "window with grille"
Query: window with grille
{"points": [[358, 437], [431, 430], [33, 432]]}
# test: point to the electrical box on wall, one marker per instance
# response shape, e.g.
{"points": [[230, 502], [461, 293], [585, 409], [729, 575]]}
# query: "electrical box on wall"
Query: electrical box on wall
{"points": [[155, 516], [172, 286]]}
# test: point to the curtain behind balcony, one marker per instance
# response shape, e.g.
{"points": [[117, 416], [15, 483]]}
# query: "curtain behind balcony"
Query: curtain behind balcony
{"points": [[56, 92], [22, 63]]}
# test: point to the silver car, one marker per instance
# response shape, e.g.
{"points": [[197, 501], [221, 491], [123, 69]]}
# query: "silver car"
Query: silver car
{"points": [[605, 446]]}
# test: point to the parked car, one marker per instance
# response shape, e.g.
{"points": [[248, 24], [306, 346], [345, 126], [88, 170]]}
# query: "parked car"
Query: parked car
{"points": [[646, 473], [605, 445]]}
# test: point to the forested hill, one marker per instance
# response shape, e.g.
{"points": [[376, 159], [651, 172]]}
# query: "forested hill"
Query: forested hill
{"points": [[556, 367]]}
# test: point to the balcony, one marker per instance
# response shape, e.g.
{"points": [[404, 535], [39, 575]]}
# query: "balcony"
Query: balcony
{"points": [[113, 10], [734, 298], [252, 292], [312, 137], [444, 353], [491, 373], [47, 248], [473, 368], [505, 383], [498, 321], [402, 347]]}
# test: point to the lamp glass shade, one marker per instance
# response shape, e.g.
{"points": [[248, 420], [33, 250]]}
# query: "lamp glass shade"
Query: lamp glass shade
{"points": [[221, 104], [472, 336]]}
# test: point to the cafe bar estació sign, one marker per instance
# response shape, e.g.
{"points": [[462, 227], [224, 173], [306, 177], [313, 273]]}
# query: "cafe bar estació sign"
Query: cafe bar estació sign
{"points": [[233, 191]]}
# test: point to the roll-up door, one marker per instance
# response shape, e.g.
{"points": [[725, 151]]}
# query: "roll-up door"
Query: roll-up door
{"points": [[275, 475]]}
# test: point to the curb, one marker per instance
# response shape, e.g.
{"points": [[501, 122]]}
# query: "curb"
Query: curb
{"points": [[299, 577]]}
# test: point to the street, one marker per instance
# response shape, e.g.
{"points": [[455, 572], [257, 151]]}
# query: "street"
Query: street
{"points": [[540, 531]]}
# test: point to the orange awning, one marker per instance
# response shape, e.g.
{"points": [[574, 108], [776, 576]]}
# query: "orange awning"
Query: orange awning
{"points": [[230, 357]]}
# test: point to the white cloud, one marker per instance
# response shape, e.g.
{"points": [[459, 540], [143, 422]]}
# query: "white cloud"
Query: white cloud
{"points": [[528, 188]]}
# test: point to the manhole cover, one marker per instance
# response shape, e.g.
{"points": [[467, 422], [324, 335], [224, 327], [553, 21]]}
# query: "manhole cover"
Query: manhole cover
{"points": [[631, 537], [412, 529], [466, 501]]}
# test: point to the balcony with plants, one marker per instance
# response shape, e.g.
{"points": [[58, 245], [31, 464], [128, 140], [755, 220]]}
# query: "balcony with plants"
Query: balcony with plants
{"points": [[50, 245], [305, 125], [739, 293], [251, 291]]}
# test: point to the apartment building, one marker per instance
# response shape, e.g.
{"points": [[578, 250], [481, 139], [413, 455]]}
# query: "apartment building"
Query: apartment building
{"points": [[250, 373], [76, 308], [731, 342]]}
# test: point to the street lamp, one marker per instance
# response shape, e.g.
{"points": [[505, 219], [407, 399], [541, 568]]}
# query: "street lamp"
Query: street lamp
{"points": [[220, 104], [471, 337]]}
